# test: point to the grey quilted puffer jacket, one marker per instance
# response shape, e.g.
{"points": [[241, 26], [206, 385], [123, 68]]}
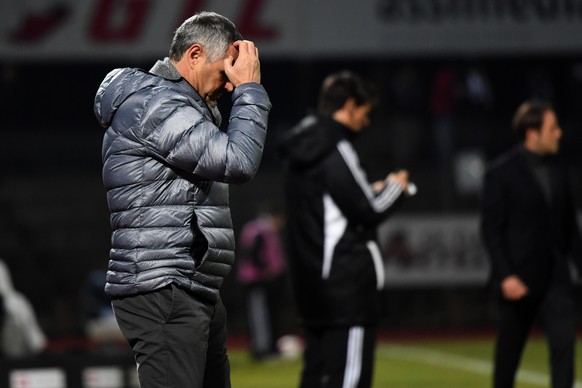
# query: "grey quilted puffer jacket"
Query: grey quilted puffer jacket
{"points": [[166, 166]]}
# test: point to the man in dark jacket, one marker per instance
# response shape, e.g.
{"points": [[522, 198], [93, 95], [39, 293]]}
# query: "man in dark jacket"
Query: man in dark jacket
{"points": [[166, 166], [529, 229], [332, 214]]}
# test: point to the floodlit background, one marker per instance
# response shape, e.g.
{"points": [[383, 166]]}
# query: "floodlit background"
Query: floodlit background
{"points": [[451, 73]]}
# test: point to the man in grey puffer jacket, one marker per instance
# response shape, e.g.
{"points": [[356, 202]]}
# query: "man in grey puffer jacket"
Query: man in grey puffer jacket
{"points": [[166, 166]]}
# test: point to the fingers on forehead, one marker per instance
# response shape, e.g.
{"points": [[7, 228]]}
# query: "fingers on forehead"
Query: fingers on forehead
{"points": [[245, 45], [250, 45]]}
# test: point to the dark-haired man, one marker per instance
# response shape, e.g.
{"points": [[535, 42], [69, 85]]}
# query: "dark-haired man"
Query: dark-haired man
{"points": [[332, 214], [529, 229]]}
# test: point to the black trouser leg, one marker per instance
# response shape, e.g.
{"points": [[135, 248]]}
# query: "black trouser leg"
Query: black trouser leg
{"points": [[339, 357], [514, 323], [557, 317]]}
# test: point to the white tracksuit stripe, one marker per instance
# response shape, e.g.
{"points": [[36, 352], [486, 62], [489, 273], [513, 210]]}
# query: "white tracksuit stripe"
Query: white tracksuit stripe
{"points": [[386, 198], [354, 357], [378, 263]]}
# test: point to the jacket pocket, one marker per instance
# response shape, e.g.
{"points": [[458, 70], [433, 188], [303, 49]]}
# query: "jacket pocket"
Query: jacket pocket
{"points": [[164, 302]]}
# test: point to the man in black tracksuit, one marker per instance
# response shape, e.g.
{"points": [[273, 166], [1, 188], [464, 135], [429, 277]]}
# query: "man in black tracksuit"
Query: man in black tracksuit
{"points": [[332, 214]]}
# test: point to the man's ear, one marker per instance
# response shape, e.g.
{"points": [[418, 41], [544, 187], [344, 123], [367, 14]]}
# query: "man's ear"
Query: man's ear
{"points": [[193, 54], [531, 139], [349, 104], [345, 113], [531, 133]]}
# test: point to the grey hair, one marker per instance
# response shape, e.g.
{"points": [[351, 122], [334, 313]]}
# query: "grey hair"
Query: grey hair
{"points": [[212, 31]]}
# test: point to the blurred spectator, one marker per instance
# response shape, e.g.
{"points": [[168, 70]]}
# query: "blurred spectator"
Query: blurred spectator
{"points": [[21, 333], [261, 265]]}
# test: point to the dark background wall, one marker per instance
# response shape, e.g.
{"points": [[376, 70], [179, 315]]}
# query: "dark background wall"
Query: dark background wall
{"points": [[54, 227]]}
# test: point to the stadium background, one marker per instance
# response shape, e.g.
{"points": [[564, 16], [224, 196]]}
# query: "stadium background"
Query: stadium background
{"points": [[450, 74]]}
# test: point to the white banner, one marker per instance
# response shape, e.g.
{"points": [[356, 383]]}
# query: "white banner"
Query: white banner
{"points": [[131, 28], [80, 29], [38, 378], [433, 250], [102, 377]]}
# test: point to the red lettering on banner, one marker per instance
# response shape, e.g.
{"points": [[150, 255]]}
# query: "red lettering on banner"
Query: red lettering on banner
{"points": [[249, 25], [37, 26], [128, 28]]}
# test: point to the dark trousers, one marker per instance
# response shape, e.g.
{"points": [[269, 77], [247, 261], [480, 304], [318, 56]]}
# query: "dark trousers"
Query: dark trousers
{"points": [[178, 340], [555, 311], [340, 357]]}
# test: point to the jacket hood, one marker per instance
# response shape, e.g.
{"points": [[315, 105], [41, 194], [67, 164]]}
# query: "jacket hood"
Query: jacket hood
{"points": [[117, 87], [311, 140], [120, 84]]}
